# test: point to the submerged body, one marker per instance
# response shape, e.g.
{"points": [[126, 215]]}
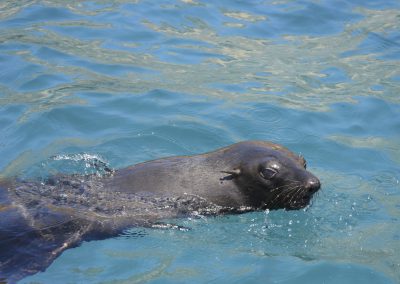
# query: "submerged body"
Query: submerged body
{"points": [[40, 220]]}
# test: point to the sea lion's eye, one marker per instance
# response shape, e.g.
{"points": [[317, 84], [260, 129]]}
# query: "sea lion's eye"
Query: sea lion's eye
{"points": [[268, 173]]}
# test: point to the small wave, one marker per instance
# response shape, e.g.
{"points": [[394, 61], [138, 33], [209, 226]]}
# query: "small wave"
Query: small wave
{"points": [[82, 163]]}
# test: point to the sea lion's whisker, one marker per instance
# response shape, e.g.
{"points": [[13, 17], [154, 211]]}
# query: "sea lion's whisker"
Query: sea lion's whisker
{"points": [[295, 194], [278, 196], [287, 189], [283, 186], [289, 193]]}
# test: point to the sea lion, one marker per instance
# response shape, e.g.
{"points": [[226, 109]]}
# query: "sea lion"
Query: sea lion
{"points": [[39, 220]]}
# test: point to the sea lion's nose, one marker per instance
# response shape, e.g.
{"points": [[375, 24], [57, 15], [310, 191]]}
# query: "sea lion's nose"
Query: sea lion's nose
{"points": [[312, 185]]}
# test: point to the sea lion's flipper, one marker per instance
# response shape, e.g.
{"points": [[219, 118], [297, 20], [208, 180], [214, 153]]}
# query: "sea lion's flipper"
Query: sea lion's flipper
{"points": [[25, 250], [32, 234]]}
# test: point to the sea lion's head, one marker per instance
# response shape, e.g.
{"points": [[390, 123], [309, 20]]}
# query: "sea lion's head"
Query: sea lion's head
{"points": [[272, 177]]}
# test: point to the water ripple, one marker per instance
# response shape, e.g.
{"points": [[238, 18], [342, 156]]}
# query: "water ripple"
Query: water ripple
{"points": [[137, 80]]}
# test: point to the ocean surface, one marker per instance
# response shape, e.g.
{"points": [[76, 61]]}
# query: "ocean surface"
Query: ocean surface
{"points": [[129, 81]]}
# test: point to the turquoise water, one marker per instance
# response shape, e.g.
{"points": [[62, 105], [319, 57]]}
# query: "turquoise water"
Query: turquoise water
{"points": [[129, 81]]}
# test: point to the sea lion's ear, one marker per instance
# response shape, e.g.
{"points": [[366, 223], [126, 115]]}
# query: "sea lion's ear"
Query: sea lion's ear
{"points": [[303, 161], [234, 173]]}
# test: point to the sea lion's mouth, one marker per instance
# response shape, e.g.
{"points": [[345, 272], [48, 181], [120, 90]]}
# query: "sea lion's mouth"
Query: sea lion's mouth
{"points": [[303, 197], [297, 198], [292, 194], [301, 202]]}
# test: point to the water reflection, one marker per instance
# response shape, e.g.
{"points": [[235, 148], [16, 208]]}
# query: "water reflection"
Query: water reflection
{"points": [[139, 80], [90, 47]]}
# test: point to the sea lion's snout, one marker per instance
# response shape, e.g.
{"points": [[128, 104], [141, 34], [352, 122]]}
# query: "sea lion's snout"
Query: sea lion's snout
{"points": [[301, 197], [312, 185]]}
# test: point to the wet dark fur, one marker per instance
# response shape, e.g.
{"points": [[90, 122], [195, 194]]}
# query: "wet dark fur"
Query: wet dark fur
{"points": [[39, 220]]}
